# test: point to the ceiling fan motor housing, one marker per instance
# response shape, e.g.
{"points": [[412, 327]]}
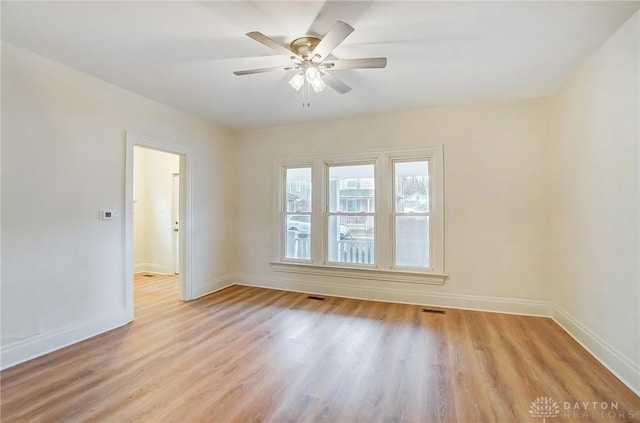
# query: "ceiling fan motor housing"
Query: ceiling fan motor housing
{"points": [[304, 46]]}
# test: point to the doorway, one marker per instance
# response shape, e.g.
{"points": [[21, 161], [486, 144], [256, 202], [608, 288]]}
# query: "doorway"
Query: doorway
{"points": [[155, 214], [157, 218]]}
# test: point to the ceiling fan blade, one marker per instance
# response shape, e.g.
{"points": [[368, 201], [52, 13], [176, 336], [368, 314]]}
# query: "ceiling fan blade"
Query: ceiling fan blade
{"points": [[334, 37], [368, 63], [331, 11], [266, 41], [262, 70], [339, 86]]}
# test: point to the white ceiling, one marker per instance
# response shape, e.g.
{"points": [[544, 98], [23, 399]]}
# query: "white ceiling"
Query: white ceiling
{"points": [[439, 53]]}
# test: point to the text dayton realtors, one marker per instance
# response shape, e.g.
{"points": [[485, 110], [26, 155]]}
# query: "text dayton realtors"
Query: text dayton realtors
{"points": [[592, 409]]}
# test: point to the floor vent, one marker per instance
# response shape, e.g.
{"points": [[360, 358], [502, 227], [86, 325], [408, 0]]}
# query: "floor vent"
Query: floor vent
{"points": [[433, 310], [314, 297]]}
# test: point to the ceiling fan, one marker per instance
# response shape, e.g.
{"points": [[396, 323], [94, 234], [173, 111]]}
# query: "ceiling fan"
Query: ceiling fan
{"points": [[311, 61]]}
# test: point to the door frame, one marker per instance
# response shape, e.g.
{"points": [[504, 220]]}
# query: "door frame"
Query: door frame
{"points": [[186, 214]]}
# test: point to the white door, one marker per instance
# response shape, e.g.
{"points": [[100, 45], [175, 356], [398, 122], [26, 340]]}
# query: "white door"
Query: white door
{"points": [[175, 223]]}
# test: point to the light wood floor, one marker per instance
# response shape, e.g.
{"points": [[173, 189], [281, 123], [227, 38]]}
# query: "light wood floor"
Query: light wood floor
{"points": [[249, 355]]}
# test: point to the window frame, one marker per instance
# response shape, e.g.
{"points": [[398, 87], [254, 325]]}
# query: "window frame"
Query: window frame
{"points": [[284, 214], [384, 227], [328, 213], [435, 156], [395, 213]]}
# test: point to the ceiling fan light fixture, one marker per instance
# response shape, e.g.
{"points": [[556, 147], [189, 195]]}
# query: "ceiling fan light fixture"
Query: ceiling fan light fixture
{"points": [[314, 79], [297, 81], [318, 85]]}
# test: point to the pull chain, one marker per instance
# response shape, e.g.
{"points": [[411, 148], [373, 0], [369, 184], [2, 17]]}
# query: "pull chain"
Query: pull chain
{"points": [[306, 102]]}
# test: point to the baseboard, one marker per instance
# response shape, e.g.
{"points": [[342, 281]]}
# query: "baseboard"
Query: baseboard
{"points": [[212, 286], [617, 363], [44, 343], [162, 269], [466, 302]]}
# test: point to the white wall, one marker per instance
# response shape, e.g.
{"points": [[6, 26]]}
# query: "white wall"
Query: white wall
{"points": [[63, 159], [496, 200], [152, 210], [595, 203]]}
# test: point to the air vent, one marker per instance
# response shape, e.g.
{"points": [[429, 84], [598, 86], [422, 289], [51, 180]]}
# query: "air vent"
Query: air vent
{"points": [[314, 297], [433, 310]]}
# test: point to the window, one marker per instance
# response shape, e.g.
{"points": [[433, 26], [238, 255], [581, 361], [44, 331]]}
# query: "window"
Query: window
{"points": [[351, 214], [297, 213], [411, 213], [374, 216]]}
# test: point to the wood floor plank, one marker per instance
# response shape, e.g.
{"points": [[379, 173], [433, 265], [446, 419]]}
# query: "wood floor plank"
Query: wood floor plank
{"points": [[255, 355]]}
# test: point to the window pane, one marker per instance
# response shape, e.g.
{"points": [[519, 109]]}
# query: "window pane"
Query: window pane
{"points": [[299, 189], [351, 239], [298, 236], [351, 189], [412, 241], [412, 187]]}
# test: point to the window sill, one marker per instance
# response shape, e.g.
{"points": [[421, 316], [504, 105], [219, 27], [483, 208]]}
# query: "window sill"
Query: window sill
{"points": [[361, 273]]}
